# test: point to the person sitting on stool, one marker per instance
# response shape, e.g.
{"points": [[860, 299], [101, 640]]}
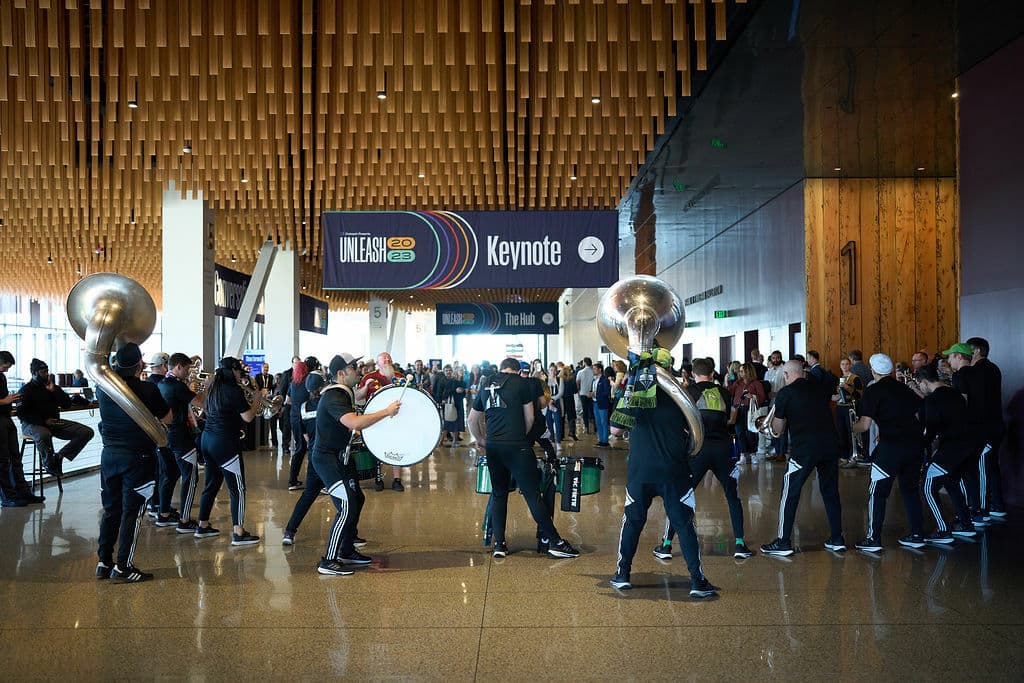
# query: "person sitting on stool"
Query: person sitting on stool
{"points": [[39, 412], [14, 490]]}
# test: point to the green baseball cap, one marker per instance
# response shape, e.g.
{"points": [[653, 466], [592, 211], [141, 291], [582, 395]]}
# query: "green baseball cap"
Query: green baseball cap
{"points": [[959, 347]]}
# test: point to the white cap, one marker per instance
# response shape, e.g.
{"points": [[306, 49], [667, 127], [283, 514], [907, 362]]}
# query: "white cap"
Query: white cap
{"points": [[881, 364], [159, 358]]}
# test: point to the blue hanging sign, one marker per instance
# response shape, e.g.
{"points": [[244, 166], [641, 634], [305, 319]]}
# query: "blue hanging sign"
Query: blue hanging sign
{"points": [[539, 318]]}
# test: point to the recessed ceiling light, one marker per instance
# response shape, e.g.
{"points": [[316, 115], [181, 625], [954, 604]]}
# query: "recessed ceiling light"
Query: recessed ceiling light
{"points": [[382, 95], [132, 104], [920, 168], [233, 259], [244, 179], [410, 296], [838, 168], [423, 175], [186, 148], [595, 100], [955, 95], [49, 260], [573, 177]]}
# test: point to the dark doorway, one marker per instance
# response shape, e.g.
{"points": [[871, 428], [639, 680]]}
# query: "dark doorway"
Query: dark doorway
{"points": [[795, 330], [749, 344], [725, 352], [688, 352]]}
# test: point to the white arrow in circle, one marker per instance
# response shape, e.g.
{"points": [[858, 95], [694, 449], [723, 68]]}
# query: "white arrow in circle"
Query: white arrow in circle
{"points": [[591, 249]]}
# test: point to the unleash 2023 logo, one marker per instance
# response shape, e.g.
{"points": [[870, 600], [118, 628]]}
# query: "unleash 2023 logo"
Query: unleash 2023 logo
{"points": [[435, 249]]}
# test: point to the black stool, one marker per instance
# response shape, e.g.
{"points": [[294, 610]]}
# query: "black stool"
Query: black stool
{"points": [[38, 472]]}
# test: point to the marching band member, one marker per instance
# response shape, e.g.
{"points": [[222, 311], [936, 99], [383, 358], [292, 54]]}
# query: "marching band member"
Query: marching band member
{"points": [[227, 411], [127, 471], [336, 419], [180, 440]]}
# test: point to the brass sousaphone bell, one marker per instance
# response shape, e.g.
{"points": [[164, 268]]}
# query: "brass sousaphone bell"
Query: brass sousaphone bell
{"points": [[107, 311], [635, 313]]}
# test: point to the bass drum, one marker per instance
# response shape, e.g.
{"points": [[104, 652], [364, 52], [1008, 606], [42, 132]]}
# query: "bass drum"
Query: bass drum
{"points": [[410, 436]]}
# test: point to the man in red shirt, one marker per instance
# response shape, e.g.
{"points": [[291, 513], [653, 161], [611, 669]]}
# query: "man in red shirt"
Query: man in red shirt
{"points": [[385, 375]]}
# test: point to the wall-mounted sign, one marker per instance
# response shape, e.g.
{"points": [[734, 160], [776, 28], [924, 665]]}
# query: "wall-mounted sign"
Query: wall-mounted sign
{"points": [[254, 359], [312, 314], [228, 290], [445, 250], [702, 296], [497, 318], [721, 314]]}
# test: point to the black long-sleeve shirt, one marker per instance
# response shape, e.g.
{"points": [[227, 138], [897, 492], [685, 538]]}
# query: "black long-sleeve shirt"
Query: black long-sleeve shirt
{"points": [[39, 404]]}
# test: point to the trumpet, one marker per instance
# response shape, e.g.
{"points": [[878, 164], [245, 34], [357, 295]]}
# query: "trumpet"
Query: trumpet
{"points": [[764, 424], [266, 406], [854, 438]]}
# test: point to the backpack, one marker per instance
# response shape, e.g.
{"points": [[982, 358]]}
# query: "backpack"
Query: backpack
{"points": [[711, 399]]}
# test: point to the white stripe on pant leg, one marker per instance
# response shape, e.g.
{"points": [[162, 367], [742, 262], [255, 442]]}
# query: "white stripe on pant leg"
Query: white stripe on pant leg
{"points": [[871, 508], [668, 525], [190, 488], [790, 469], [335, 537], [146, 490], [934, 471], [241, 500], [629, 501], [983, 478], [690, 501]]}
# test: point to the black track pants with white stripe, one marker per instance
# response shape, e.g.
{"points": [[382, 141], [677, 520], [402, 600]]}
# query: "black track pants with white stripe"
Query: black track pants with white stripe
{"points": [[223, 464], [679, 505], [798, 470], [127, 482], [332, 472], [945, 472], [716, 457], [187, 461], [894, 463], [169, 473]]}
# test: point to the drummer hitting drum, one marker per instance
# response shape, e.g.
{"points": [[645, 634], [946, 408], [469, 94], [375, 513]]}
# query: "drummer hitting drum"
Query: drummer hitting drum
{"points": [[507, 402], [336, 419], [385, 374]]}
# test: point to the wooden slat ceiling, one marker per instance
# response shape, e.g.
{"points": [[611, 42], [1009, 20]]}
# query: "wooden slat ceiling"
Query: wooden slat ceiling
{"points": [[488, 104]]}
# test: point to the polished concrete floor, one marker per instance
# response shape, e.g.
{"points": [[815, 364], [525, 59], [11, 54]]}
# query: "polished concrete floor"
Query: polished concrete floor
{"points": [[435, 605]]}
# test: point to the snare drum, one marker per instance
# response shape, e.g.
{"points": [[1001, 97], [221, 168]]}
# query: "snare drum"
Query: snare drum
{"points": [[590, 474], [408, 437], [366, 464], [483, 477]]}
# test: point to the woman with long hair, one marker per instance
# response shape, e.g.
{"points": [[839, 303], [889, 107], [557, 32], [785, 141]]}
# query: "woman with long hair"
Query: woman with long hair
{"points": [[556, 387], [227, 411], [745, 387], [569, 401], [298, 394]]}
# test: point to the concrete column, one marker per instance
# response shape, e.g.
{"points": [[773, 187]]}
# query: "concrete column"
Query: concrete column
{"points": [[188, 258], [379, 325], [281, 311]]}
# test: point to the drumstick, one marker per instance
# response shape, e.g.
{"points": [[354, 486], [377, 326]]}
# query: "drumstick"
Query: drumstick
{"points": [[402, 395]]}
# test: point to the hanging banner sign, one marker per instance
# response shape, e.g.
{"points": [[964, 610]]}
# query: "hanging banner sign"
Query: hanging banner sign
{"points": [[497, 318], [228, 290], [312, 314], [445, 250]]}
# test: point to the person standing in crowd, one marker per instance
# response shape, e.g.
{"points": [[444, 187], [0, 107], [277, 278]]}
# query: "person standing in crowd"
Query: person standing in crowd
{"points": [[776, 379], [166, 467], [603, 403], [127, 470], [39, 413], [297, 395], [894, 408], [847, 400], [658, 465], [227, 411], [859, 368], [918, 360], [746, 387], [717, 414], [453, 392], [79, 382], [267, 386], [553, 417], [569, 394], [801, 408], [181, 442], [585, 383], [959, 357], [14, 490], [508, 404], [984, 392], [757, 360], [385, 375], [283, 385], [948, 437], [336, 419], [472, 384]]}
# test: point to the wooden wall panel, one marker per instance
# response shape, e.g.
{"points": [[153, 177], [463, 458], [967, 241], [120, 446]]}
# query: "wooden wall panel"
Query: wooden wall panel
{"points": [[906, 232]]}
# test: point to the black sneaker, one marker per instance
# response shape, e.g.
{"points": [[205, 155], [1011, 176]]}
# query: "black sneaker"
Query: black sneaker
{"points": [[187, 527], [542, 546], [359, 542], [130, 574], [396, 485], [333, 568], [778, 547], [912, 541], [741, 551], [500, 550], [288, 538], [963, 529], [979, 519], [620, 581], [244, 538], [702, 588], [997, 512], [31, 498], [378, 485], [663, 551], [54, 466], [869, 545], [103, 570], [355, 558], [563, 549], [206, 532], [171, 519], [836, 545], [939, 537], [295, 486]]}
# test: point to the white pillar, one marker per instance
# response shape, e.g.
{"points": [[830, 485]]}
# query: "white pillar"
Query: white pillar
{"points": [[281, 311], [188, 258], [379, 327]]}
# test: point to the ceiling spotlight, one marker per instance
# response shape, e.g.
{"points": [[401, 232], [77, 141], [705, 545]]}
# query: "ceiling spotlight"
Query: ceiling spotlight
{"points": [[186, 148], [920, 168], [595, 100], [79, 269], [132, 104], [131, 218], [410, 296], [233, 259], [303, 285], [382, 95], [573, 177], [838, 168], [49, 260], [244, 179], [955, 95], [422, 175]]}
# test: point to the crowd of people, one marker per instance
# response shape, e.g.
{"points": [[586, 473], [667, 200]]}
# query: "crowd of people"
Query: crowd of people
{"points": [[932, 425]]}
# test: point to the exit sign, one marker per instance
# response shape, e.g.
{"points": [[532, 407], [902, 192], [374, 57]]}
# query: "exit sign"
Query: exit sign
{"points": [[721, 314]]}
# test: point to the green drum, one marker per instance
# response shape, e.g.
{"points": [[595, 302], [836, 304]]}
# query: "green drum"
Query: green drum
{"points": [[483, 477], [366, 464], [590, 474]]}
